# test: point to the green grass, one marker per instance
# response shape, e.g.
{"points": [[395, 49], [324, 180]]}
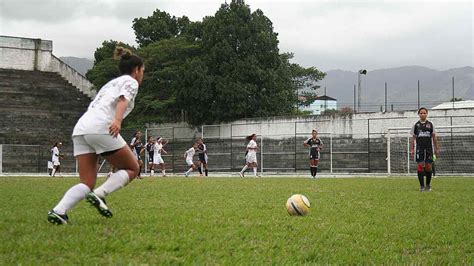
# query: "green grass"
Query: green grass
{"points": [[243, 221]]}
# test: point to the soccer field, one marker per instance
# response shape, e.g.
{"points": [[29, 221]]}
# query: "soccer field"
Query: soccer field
{"points": [[243, 221]]}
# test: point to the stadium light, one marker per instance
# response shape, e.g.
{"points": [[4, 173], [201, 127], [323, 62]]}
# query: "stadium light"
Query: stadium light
{"points": [[361, 72]]}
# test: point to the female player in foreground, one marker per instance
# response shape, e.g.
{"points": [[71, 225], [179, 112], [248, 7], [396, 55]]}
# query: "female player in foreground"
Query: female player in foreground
{"points": [[424, 136], [251, 157], [315, 145], [97, 133]]}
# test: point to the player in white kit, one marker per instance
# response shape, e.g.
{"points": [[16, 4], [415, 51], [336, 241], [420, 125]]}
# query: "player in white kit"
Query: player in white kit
{"points": [[98, 133], [55, 157], [251, 156], [158, 150], [188, 156]]}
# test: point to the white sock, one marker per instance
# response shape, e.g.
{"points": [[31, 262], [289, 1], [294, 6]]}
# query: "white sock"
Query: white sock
{"points": [[116, 181], [152, 172], [53, 172], [245, 168], [163, 171], [189, 171], [255, 171], [71, 198]]}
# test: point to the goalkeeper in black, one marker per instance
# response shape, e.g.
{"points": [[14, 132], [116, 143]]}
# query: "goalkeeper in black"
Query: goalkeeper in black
{"points": [[423, 137]]}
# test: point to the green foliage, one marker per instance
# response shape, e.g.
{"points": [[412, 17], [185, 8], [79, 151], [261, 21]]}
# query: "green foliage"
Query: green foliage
{"points": [[105, 66], [234, 221], [162, 26], [225, 67]]}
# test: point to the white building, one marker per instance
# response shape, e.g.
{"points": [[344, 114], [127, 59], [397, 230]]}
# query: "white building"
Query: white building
{"points": [[321, 104], [456, 105]]}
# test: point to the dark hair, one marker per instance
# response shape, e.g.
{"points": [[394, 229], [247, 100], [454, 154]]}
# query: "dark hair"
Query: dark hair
{"points": [[128, 61], [422, 108], [136, 133], [314, 130], [149, 137], [250, 137]]}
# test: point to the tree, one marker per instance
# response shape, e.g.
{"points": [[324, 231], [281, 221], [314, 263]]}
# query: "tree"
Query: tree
{"points": [[105, 66], [162, 26], [225, 67]]}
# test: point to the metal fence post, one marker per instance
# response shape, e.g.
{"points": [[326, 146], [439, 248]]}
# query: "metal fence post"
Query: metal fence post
{"points": [[408, 155], [261, 154], [368, 145], [330, 151], [231, 150], [389, 170], [1, 158], [295, 146], [172, 157]]}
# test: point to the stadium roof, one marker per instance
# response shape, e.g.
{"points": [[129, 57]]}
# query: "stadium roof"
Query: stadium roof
{"points": [[457, 105]]}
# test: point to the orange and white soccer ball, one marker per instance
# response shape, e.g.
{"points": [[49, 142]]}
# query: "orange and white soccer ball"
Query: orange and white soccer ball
{"points": [[298, 205]]}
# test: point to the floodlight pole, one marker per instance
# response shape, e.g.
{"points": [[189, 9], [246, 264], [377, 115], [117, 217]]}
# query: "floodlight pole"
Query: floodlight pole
{"points": [[363, 72]]}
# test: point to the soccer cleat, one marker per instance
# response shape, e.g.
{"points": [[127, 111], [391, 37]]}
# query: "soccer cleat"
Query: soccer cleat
{"points": [[428, 188], [56, 218], [99, 204], [422, 188], [241, 175]]}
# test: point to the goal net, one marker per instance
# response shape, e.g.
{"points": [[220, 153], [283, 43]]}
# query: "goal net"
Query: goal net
{"points": [[456, 150]]}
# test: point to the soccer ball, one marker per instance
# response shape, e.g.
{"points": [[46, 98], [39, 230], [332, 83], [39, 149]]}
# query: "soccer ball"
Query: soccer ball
{"points": [[298, 205]]}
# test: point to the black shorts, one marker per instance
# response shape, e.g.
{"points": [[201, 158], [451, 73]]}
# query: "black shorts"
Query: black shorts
{"points": [[202, 158], [314, 155], [424, 155], [150, 157]]}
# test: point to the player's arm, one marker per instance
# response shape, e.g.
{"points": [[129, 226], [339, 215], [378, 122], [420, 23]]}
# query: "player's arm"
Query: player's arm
{"points": [[321, 146], [305, 143], [114, 128], [163, 150], [436, 144]]}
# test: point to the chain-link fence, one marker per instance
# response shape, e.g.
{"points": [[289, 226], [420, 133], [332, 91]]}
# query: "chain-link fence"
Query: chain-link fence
{"points": [[350, 146]]}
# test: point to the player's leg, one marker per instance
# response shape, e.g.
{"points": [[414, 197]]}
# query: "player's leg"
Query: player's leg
{"points": [[163, 169], [246, 166], [127, 165], [87, 166], [420, 159], [151, 166], [199, 167], [140, 166], [191, 168], [206, 171], [316, 163], [428, 172]]}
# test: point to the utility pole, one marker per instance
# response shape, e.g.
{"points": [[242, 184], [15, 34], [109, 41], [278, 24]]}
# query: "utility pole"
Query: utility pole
{"points": [[360, 72]]}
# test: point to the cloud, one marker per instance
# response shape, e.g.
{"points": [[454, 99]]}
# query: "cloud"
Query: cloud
{"points": [[327, 34]]}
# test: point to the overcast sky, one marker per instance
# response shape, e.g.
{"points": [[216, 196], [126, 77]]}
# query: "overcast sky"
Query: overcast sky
{"points": [[343, 34]]}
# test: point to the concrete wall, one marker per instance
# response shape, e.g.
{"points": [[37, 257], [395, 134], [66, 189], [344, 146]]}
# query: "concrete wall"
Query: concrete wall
{"points": [[36, 54], [357, 125]]}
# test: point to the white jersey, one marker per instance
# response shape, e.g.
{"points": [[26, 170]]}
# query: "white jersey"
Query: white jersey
{"points": [[251, 146], [157, 149], [55, 154], [101, 111], [190, 154]]}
